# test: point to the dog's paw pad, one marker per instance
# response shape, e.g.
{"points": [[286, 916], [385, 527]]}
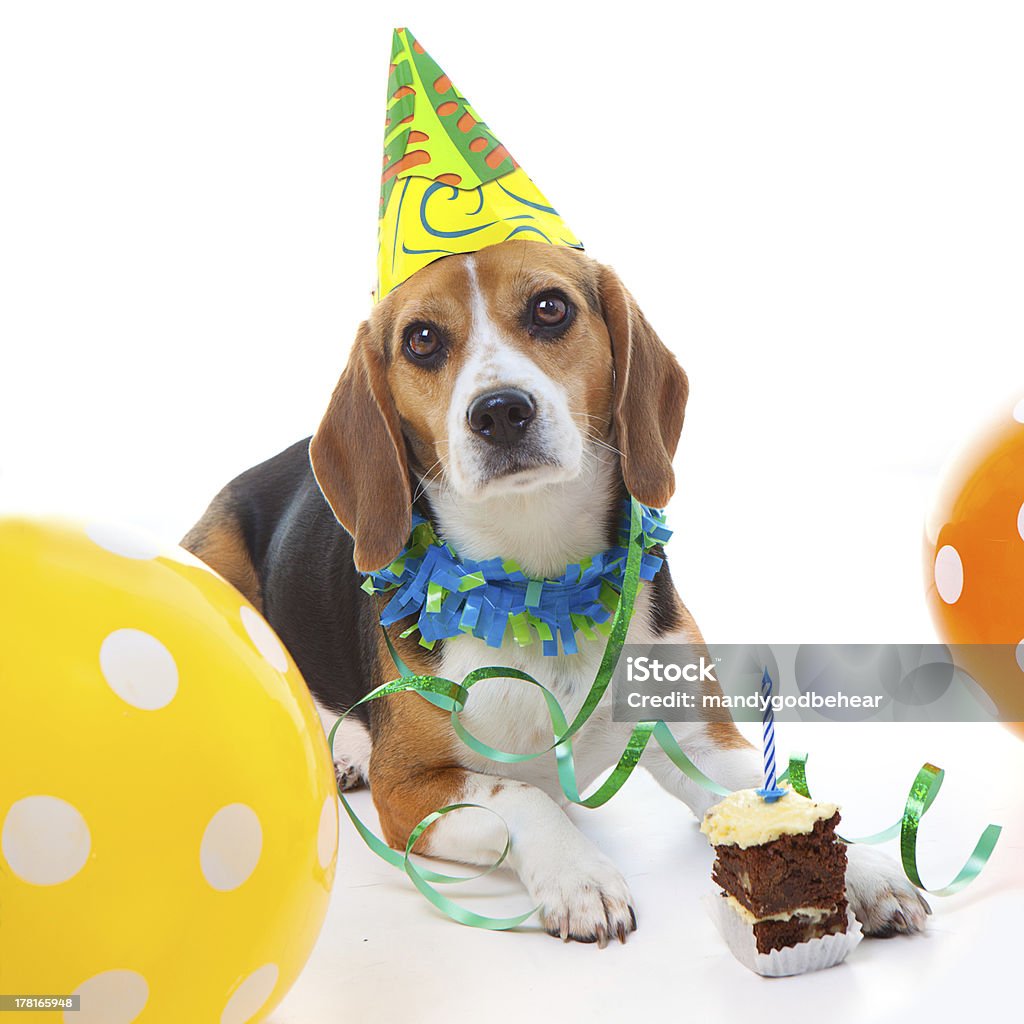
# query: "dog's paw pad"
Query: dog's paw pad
{"points": [[883, 900]]}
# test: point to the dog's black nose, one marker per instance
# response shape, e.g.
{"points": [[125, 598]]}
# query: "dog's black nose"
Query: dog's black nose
{"points": [[501, 416]]}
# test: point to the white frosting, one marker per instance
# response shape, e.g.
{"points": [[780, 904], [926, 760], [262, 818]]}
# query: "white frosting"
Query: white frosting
{"points": [[812, 913], [744, 819]]}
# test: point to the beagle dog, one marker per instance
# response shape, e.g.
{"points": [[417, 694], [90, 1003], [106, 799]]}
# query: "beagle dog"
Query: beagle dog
{"points": [[514, 397]]}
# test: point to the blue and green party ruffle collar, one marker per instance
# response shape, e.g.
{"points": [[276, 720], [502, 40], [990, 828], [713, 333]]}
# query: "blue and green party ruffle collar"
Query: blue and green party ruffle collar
{"points": [[490, 599]]}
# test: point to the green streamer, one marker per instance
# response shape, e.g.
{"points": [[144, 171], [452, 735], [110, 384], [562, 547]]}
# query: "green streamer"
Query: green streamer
{"points": [[922, 795], [445, 905], [924, 790]]}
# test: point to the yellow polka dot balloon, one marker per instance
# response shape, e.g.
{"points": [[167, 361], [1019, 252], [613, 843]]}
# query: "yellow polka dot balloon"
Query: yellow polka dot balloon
{"points": [[168, 819], [974, 562]]}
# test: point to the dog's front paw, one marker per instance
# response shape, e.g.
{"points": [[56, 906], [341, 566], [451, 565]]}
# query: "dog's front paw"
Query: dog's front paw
{"points": [[880, 895], [348, 774], [586, 902]]}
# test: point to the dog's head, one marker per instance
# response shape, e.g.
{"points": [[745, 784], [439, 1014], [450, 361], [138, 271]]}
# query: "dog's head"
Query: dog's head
{"points": [[493, 372]]}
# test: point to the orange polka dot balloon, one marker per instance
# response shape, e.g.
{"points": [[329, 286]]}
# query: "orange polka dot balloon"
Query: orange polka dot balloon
{"points": [[974, 562], [168, 815]]}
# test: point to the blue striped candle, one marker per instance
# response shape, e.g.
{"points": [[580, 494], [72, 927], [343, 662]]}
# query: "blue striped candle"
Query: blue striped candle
{"points": [[771, 791]]}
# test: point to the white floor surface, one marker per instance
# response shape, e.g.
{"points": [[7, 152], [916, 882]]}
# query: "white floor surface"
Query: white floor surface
{"points": [[386, 955]]}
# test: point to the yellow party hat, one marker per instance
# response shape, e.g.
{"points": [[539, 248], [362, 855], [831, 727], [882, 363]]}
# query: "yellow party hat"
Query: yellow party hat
{"points": [[448, 185]]}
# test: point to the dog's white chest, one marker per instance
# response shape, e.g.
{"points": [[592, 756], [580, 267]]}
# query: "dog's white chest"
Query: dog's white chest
{"points": [[512, 715]]}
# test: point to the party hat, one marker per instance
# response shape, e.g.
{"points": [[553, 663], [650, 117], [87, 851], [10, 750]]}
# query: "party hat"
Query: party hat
{"points": [[448, 185]]}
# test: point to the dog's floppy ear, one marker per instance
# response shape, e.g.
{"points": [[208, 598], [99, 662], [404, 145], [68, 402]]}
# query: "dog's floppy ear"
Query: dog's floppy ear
{"points": [[650, 395], [358, 458]]}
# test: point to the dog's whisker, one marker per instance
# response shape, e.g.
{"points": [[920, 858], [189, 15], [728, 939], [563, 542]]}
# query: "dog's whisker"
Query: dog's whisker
{"points": [[426, 479], [593, 437], [608, 447]]}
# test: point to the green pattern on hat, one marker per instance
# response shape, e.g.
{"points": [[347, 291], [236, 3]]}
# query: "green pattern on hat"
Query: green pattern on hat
{"points": [[431, 131]]}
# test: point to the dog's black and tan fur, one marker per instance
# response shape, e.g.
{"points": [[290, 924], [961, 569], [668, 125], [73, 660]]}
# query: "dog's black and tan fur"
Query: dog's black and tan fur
{"points": [[604, 402]]}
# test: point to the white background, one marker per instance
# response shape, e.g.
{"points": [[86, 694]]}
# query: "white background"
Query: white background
{"points": [[819, 207]]}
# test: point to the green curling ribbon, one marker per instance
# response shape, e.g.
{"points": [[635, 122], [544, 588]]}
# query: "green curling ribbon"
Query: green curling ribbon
{"points": [[451, 696], [922, 795], [924, 790], [450, 907]]}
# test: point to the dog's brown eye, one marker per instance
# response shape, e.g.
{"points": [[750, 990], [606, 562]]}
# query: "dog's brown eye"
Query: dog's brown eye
{"points": [[423, 341], [550, 310]]}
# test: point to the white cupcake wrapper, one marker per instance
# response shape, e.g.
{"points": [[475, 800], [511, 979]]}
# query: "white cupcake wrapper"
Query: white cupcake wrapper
{"points": [[813, 955]]}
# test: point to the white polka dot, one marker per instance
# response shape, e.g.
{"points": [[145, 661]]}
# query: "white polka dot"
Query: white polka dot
{"points": [[251, 996], [1018, 411], [123, 540], [45, 840], [1020, 655], [113, 997], [264, 638], [1020, 520], [139, 669], [949, 574], [231, 847], [327, 834]]}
